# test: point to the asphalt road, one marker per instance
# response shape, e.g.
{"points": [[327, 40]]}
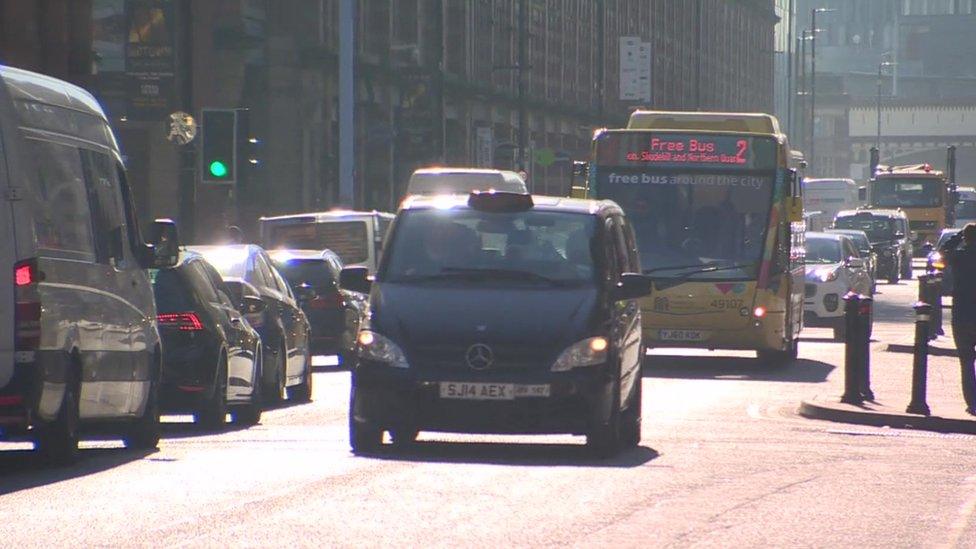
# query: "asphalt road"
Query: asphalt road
{"points": [[724, 462]]}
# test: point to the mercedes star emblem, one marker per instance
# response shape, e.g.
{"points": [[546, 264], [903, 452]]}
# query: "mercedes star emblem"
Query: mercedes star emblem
{"points": [[479, 356]]}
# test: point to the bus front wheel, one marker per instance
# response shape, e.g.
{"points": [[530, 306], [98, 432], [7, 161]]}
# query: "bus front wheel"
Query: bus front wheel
{"points": [[778, 358]]}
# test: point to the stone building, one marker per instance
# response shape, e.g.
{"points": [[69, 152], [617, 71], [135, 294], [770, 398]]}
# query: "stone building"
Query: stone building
{"points": [[436, 82]]}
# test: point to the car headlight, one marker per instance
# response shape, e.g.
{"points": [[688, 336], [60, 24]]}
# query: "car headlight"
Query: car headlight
{"points": [[937, 261], [379, 348], [588, 352]]}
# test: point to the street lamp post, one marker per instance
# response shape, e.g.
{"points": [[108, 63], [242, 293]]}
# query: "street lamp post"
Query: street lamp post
{"points": [[881, 66], [813, 78], [799, 133]]}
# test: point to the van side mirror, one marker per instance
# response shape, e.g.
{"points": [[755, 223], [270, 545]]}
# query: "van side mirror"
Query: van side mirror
{"points": [[855, 263], [165, 244], [631, 286], [355, 279]]}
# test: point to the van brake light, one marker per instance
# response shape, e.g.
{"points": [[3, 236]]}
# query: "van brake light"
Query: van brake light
{"points": [[24, 274], [27, 307]]}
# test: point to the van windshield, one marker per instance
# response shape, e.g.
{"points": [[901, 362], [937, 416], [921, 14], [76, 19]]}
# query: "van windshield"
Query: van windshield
{"points": [[348, 239], [482, 246]]}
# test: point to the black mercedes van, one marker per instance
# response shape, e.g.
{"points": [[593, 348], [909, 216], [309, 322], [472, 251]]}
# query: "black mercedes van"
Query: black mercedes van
{"points": [[501, 313]]}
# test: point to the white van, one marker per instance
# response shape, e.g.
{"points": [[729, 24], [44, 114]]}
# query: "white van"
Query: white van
{"points": [[79, 347], [356, 237], [830, 195], [428, 181]]}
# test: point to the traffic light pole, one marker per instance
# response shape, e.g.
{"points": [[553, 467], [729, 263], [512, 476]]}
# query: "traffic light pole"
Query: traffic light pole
{"points": [[347, 103]]}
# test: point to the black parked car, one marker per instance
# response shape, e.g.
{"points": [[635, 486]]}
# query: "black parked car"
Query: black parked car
{"points": [[890, 239], [283, 327], [333, 313], [211, 355], [501, 313]]}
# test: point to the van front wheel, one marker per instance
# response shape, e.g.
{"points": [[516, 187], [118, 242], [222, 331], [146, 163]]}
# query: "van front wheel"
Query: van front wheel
{"points": [[144, 433]]}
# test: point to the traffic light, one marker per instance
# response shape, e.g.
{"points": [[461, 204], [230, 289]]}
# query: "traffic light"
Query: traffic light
{"points": [[219, 144]]}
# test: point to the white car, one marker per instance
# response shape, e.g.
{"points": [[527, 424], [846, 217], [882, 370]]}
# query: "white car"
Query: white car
{"points": [[833, 268]]}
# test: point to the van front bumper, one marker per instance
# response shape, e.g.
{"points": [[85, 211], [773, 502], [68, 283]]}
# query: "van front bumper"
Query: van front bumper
{"points": [[403, 398]]}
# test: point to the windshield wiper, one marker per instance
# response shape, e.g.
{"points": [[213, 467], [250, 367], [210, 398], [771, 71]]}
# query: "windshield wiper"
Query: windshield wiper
{"points": [[715, 268], [510, 274], [708, 267], [680, 267]]}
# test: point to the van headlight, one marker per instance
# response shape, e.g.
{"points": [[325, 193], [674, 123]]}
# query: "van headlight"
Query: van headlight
{"points": [[379, 348], [588, 352]]}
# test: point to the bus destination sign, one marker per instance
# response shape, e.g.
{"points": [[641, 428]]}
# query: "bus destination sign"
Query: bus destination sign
{"points": [[684, 150]]}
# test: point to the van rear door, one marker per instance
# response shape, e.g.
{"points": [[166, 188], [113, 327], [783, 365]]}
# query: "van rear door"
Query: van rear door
{"points": [[10, 196]]}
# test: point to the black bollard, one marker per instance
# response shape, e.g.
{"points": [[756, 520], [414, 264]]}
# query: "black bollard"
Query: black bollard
{"points": [[923, 313], [937, 329], [923, 288], [865, 306], [852, 365]]}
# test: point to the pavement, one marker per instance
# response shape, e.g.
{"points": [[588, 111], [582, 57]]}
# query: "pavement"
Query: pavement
{"points": [[892, 350]]}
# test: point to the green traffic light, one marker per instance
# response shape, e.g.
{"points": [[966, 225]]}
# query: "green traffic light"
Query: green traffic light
{"points": [[218, 169]]}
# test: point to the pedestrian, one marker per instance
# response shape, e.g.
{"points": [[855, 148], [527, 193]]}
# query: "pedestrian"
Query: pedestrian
{"points": [[959, 252]]}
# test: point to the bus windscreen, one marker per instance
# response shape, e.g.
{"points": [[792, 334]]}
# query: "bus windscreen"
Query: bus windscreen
{"points": [[692, 209]]}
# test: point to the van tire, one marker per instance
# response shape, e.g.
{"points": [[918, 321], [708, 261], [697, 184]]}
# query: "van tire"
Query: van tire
{"points": [[213, 414], [144, 433], [630, 428], [404, 436], [604, 439], [364, 438], [57, 442]]}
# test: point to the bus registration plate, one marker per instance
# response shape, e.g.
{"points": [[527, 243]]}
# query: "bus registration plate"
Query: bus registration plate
{"points": [[681, 335]]}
